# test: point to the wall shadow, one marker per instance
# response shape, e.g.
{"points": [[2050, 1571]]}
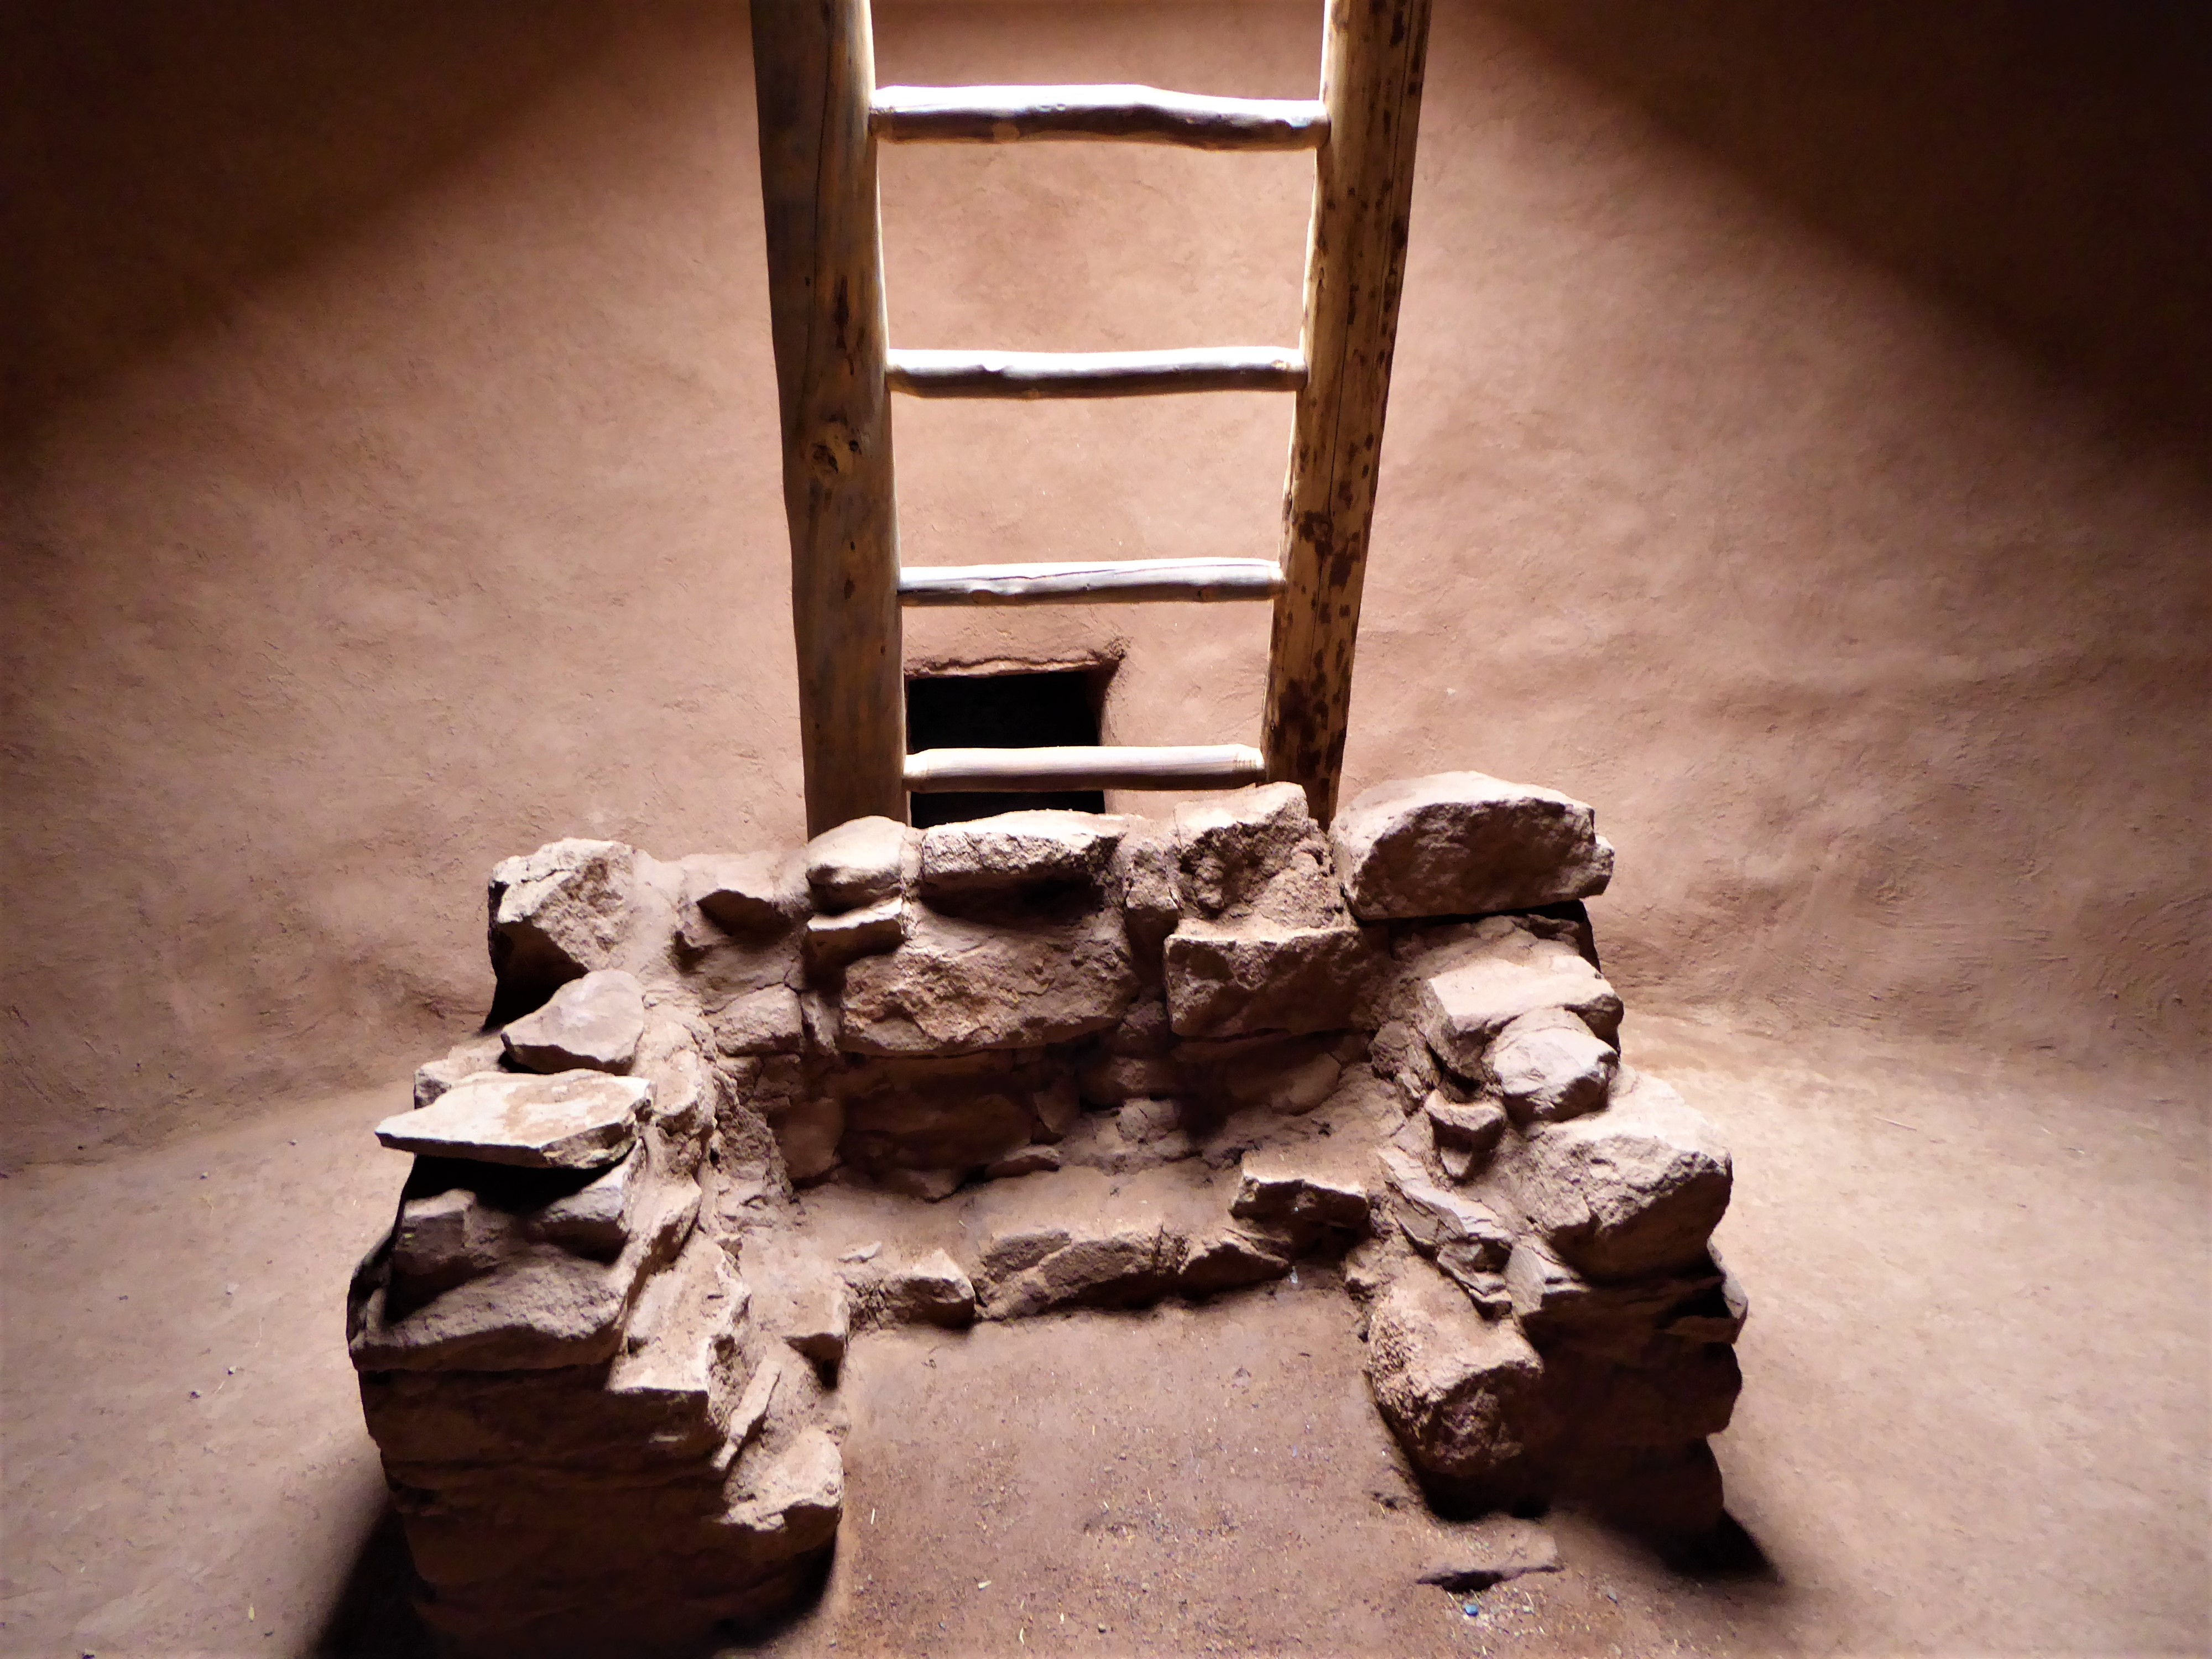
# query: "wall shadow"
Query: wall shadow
{"points": [[2045, 166], [164, 155]]}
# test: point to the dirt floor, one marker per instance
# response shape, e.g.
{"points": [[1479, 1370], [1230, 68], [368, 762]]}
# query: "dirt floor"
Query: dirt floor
{"points": [[1977, 1415]]}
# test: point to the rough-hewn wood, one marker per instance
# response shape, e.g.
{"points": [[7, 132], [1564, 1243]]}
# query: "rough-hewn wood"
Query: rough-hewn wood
{"points": [[1125, 581], [1373, 58], [1216, 766], [1005, 115], [1095, 373], [814, 73]]}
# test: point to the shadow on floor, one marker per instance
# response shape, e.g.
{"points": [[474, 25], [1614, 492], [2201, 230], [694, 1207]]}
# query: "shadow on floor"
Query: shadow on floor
{"points": [[1728, 1553], [375, 1616]]}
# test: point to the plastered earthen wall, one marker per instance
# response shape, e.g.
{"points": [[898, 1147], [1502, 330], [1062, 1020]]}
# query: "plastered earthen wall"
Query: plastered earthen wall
{"points": [[1797, 450]]}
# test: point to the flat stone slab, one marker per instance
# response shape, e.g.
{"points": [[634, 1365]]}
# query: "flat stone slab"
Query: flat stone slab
{"points": [[572, 1120], [593, 1024]]}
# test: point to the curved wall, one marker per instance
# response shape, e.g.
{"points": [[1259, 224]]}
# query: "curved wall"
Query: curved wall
{"points": [[1797, 450]]}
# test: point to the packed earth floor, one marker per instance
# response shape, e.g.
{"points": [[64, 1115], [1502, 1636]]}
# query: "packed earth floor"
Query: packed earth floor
{"points": [[1975, 1415]]}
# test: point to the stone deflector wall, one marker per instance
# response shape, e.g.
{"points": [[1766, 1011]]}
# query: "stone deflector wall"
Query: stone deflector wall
{"points": [[599, 1347]]}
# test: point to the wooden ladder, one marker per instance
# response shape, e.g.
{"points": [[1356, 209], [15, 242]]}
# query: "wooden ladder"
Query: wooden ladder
{"points": [[822, 116]]}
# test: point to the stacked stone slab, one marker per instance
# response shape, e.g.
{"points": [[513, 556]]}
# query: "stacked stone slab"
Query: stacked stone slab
{"points": [[599, 1351]]}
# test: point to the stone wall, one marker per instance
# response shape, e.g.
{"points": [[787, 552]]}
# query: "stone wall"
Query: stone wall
{"points": [[599, 1348]]}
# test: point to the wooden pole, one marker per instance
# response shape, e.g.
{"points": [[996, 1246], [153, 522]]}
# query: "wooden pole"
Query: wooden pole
{"points": [[1006, 115], [1372, 57], [1198, 766], [1120, 581], [932, 373], [813, 77]]}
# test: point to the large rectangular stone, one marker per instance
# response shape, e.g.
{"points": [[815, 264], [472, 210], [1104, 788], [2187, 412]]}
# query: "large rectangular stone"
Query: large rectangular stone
{"points": [[570, 1121], [1234, 978], [957, 986]]}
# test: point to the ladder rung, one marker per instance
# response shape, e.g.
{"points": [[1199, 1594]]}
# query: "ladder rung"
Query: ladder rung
{"points": [[1202, 766], [1001, 115], [1125, 581], [1093, 373]]}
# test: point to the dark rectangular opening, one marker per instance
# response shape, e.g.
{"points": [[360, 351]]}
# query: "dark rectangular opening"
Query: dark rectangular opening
{"points": [[1002, 711]]}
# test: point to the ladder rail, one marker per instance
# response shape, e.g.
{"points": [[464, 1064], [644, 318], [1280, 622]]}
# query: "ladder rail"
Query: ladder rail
{"points": [[814, 74], [1373, 57]]}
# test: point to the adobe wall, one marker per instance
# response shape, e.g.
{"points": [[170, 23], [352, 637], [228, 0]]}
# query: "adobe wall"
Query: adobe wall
{"points": [[1795, 451]]}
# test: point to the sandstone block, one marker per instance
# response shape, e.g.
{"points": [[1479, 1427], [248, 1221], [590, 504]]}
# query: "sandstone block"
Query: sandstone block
{"points": [[1473, 1129], [764, 1022], [745, 894], [1015, 851], [1011, 1250], [458, 1220], [1294, 1186], [1399, 1053], [1252, 973], [860, 862], [1666, 1492], [1557, 1305], [833, 942], [1023, 1161], [572, 1120], [752, 1407], [1463, 1394], [1142, 1123], [958, 985], [441, 1239], [932, 1291], [1461, 1009], [1549, 1066], [1057, 1107], [1462, 843], [558, 913], [1434, 1219], [1637, 1188], [1231, 1258], [1144, 867], [595, 1219], [592, 1024], [1257, 851], [821, 1322], [1126, 1265], [464, 1061], [542, 1307], [793, 1504], [1144, 1032], [675, 1381]]}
